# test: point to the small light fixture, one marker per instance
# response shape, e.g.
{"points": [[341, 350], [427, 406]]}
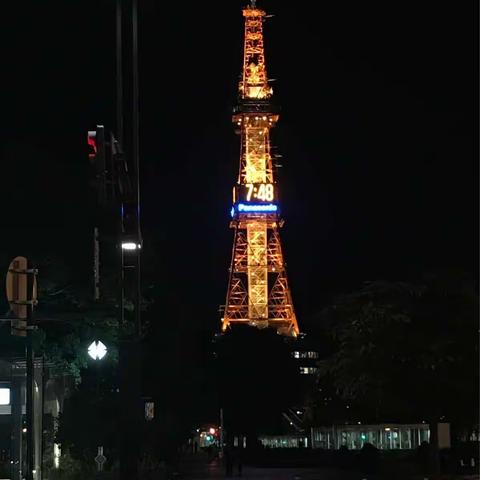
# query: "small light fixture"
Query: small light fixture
{"points": [[130, 246], [97, 350]]}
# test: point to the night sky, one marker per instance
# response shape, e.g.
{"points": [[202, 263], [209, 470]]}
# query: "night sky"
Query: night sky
{"points": [[377, 132]]}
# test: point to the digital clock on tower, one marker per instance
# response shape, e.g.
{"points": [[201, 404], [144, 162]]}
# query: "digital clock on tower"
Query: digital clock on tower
{"points": [[256, 193]]}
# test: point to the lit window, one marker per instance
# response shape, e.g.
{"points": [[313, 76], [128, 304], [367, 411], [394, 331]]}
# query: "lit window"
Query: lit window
{"points": [[308, 370], [149, 410], [4, 396]]}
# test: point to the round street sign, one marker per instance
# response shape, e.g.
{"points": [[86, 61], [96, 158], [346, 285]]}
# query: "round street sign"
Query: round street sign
{"points": [[20, 293]]}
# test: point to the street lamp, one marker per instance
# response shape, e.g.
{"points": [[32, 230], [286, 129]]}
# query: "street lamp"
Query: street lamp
{"points": [[131, 246], [97, 350], [130, 242]]}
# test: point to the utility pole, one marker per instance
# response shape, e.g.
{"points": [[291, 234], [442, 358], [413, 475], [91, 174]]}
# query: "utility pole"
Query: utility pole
{"points": [[30, 402], [123, 202], [131, 242], [21, 286]]}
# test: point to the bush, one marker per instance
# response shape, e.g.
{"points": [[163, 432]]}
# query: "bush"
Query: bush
{"points": [[71, 469]]}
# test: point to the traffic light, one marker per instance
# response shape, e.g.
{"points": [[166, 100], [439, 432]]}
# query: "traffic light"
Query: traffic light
{"points": [[97, 156]]}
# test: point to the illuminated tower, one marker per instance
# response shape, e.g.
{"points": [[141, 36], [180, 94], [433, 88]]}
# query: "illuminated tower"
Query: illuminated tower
{"points": [[258, 292]]}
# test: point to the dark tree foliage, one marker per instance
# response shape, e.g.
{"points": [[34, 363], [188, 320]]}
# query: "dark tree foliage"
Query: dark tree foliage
{"points": [[70, 319], [67, 317], [407, 351], [90, 415]]}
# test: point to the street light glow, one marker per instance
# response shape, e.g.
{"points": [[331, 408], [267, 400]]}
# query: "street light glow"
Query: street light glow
{"points": [[130, 246], [97, 350]]}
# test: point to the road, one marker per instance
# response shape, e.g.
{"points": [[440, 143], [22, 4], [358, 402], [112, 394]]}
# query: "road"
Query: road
{"points": [[199, 469]]}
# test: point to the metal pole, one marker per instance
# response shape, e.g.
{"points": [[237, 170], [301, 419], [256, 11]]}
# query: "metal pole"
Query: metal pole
{"points": [[122, 279], [136, 155], [135, 150], [123, 444], [136, 388], [129, 358], [96, 265], [17, 402], [30, 399], [41, 419], [221, 432], [119, 104], [119, 72]]}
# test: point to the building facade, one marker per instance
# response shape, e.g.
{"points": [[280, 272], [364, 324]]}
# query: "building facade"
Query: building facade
{"points": [[382, 436]]}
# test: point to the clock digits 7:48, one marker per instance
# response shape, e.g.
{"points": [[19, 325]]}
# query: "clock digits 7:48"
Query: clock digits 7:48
{"points": [[255, 193]]}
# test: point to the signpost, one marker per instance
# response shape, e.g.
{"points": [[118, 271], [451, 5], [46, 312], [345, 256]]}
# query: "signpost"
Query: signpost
{"points": [[21, 286]]}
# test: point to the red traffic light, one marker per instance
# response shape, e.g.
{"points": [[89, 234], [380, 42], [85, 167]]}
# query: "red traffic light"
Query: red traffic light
{"points": [[92, 143]]}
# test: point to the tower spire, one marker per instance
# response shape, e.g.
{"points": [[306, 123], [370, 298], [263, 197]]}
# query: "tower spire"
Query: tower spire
{"points": [[258, 293], [254, 83]]}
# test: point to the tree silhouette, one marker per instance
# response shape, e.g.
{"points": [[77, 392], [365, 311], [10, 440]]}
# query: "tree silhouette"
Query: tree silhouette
{"points": [[407, 351]]}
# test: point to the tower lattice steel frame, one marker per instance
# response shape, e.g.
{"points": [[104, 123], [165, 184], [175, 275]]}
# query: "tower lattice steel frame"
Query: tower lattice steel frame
{"points": [[258, 293]]}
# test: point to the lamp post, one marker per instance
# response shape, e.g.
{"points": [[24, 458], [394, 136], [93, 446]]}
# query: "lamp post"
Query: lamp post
{"points": [[97, 351]]}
